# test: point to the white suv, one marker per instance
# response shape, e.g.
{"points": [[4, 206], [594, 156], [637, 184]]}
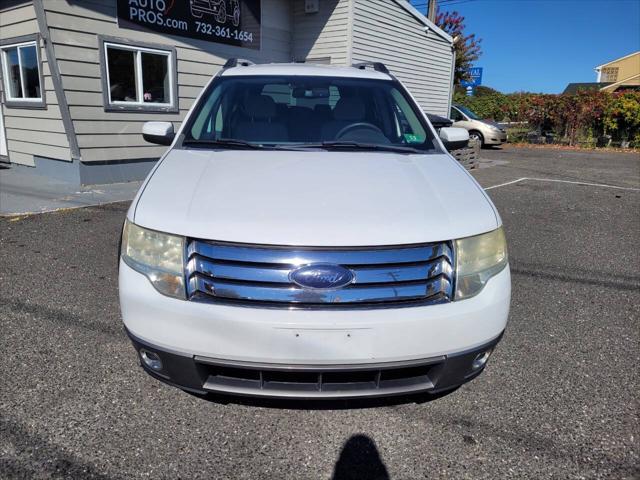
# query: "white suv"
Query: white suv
{"points": [[306, 235]]}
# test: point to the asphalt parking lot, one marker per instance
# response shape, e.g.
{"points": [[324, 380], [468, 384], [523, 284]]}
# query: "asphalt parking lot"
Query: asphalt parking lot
{"points": [[558, 400]]}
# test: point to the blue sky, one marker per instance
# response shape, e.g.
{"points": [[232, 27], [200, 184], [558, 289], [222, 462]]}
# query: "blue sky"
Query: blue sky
{"points": [[542, 45]]}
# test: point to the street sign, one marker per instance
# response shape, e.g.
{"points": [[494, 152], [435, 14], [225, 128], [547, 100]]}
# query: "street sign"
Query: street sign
{"points": [[475, 77]]}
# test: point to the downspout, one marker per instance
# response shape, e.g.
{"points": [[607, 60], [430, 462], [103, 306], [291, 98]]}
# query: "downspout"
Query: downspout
{"points": [[453, 74], [292, 31], [56, 79], [350, 18]]}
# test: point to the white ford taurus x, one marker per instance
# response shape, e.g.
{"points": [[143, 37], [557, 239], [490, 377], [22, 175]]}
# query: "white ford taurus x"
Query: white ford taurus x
{"points": [[307, 235]]}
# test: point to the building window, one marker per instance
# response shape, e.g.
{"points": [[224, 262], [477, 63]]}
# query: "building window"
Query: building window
{"points": [[139, 78], [609, 74], [22, 74]]}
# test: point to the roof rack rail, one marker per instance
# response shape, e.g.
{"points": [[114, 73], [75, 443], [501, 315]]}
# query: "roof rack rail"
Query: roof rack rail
{"points": [[377, 66], [237, 62]]}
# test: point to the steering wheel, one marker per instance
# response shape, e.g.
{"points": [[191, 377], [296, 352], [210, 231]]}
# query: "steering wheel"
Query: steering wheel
{"points": [[355, 126]]}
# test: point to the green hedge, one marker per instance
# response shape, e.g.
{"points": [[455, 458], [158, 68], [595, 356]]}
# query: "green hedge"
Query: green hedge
{"points": [[574, 119]]}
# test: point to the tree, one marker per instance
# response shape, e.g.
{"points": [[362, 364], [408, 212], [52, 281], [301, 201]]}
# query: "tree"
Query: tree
{"points": [[467, 47]]}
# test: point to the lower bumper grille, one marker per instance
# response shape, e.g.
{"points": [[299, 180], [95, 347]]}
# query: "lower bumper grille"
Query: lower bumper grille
{"points": [[203, 375], [321, 383], [261, 275]]}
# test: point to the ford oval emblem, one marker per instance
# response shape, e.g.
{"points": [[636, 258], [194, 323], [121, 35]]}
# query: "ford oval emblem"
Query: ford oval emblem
{"points": [[322, 276]]}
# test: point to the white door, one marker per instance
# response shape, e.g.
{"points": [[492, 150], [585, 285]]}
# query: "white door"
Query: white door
{"points": [[3, 139]]}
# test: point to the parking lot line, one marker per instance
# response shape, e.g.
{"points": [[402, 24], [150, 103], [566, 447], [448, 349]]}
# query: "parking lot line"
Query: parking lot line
{"points": [[562, 181]]}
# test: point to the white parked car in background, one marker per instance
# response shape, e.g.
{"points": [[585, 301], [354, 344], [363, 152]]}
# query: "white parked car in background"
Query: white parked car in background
{"points": [[486, 132], [306, 235]]}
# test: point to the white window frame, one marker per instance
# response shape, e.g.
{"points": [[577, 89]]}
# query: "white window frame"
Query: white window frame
{"points": [[21, 101], [139, 104]]}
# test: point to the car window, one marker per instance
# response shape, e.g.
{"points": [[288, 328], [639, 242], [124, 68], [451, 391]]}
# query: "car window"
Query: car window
{"points": [[286, 110], [456, 116], [411, 127], [468, 113]]}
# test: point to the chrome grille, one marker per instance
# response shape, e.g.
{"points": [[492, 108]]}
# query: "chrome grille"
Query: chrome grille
{"points": [[383, 276]]}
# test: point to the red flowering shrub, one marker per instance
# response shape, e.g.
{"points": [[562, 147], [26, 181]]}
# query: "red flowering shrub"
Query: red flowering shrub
{"points": [[578, 118]]}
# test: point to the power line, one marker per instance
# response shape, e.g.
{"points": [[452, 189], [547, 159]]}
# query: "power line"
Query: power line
{"points": [[455, 2], [441, 3]]}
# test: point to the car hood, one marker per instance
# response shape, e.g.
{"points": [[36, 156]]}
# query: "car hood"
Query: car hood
{"points": [[493, 123], [314, 198]]}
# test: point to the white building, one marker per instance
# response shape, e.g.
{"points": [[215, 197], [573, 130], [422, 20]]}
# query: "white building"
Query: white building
{"points": [[80, 77]]}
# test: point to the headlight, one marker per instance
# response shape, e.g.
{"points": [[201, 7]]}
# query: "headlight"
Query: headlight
{"points": [[477, 260], [157, 255]]}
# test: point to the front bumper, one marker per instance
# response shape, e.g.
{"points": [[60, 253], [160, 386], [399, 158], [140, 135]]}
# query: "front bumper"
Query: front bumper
{"points": [[495, 138], [205, 6], [198, 339], [203, 375]]}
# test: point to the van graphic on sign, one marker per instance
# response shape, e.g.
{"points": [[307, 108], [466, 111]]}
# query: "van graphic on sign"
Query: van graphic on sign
{"points": [[221, 10]]}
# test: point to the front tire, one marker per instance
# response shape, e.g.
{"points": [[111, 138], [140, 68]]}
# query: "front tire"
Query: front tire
{"points": [[476, 136]]}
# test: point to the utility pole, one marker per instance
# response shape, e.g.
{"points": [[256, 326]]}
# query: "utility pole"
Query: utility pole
{"points": [[431, 11]]}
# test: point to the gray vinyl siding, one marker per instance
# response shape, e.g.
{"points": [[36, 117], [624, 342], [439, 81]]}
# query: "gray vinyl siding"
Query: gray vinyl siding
{"points": [[323, 34], [104, 136], [384, 31], [31, 132]]}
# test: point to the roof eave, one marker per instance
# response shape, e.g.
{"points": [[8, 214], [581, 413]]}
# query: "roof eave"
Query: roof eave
{"points": [[617, 60], [423, 19], [621, 82]]}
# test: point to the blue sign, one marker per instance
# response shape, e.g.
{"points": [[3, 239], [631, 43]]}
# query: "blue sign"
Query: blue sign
{"points": [[475, 77]]}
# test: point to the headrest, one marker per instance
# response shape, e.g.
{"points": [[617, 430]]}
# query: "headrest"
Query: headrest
{"points": [[302, 113], [260, 106], [322, 108], [349, 108]]}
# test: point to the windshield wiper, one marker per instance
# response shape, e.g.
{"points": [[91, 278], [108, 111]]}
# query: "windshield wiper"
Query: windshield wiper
{"points": [[338, 144], [369, 146], [329, 145], [224, 142]]}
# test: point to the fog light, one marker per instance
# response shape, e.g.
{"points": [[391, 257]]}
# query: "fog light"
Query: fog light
{"points": [[481, 360], [150, 359]]}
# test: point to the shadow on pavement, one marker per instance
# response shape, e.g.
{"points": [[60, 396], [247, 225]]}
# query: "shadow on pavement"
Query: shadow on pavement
{"points": [[32, 456], [360, 459]]}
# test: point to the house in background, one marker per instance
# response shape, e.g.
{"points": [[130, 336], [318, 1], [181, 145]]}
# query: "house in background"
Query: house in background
{"points": [[573, 88], [620, 74]]}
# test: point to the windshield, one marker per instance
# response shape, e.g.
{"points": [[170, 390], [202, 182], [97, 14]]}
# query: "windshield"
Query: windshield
{"points": [[308, 112], [468, 112]]}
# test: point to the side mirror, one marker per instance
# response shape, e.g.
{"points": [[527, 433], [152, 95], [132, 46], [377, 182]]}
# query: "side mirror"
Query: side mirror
{"points": [[158, 132], [454, 138]]}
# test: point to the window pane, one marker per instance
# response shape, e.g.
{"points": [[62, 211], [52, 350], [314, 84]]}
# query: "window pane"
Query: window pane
{"points": [[412, 130], [155, 78], [122, 75], [297, 109], [202, 125], [13, 72], [30, 74]]}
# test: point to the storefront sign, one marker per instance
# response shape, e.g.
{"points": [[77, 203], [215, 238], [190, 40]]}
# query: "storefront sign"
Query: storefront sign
{"points": [[232, 22], [474, 75]]}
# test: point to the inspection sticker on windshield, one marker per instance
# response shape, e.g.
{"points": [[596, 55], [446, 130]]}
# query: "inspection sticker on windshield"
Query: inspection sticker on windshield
{"points": [[411, 138]]}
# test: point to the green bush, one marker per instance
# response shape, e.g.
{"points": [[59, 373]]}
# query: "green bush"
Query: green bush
{"points": [[581, 118]]}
